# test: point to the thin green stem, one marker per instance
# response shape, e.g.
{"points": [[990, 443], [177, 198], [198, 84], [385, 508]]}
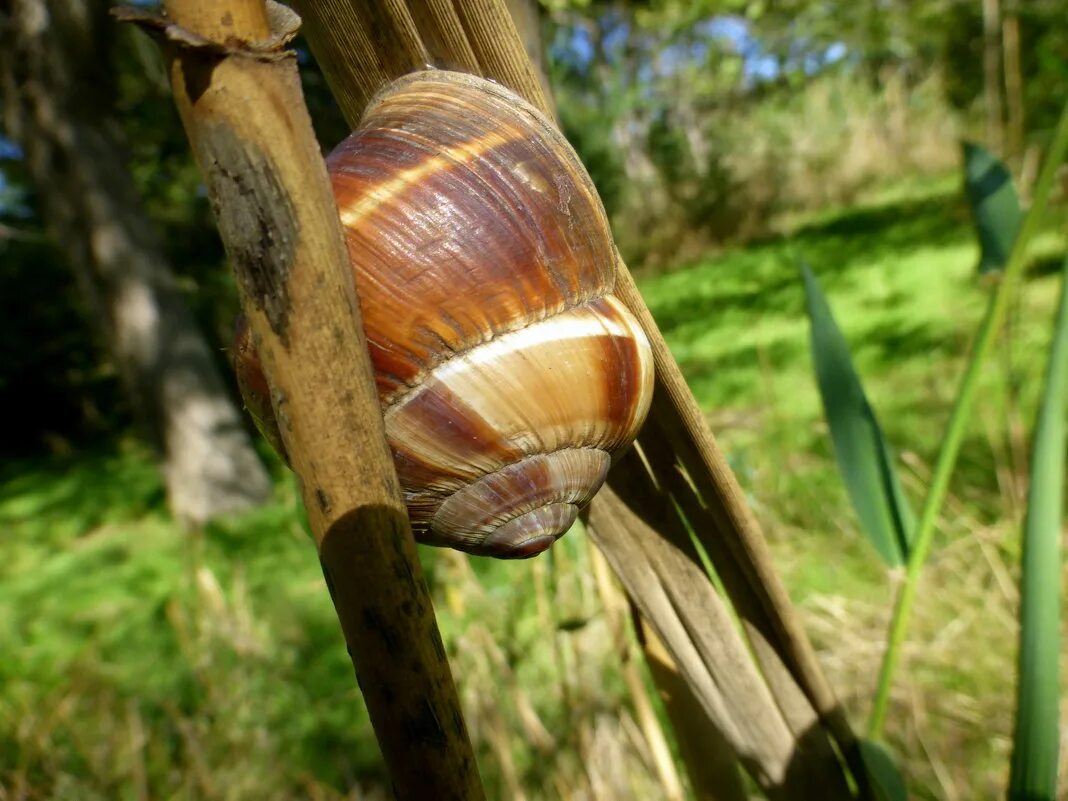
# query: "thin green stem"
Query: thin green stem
{"points": [[947, 457]]}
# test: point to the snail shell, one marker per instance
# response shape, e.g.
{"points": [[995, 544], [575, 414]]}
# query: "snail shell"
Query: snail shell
{"points": [[507, 372]]}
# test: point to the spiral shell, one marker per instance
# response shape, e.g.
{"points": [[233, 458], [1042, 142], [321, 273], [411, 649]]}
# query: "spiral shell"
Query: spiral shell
{"points": [[508, 373]]}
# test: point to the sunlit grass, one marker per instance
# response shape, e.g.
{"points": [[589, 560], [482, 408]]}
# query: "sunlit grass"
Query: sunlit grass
{"points": [[211, 665]]}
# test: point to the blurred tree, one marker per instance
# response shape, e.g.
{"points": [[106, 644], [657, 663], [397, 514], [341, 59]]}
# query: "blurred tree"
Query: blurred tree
{"points": [[995, 123], [1010, 42], [58, 93]]}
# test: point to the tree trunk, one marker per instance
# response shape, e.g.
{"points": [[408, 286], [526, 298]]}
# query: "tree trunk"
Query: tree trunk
{"points": [[995, 137], [57, 96], [1010, 35]]}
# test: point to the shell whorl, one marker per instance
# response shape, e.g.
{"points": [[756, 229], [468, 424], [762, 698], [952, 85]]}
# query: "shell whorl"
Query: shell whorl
{"points": [[467, 214], [577, 381], [508, 373]]}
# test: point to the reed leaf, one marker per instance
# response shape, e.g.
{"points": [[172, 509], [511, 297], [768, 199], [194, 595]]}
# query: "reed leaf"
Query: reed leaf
{"points": [[884, 778], [1036, 740], [865, 459], [958, 419], [995, 206]]}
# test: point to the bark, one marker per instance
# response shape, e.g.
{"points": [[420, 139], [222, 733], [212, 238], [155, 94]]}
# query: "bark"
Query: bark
{"points": [[57, 104], [243, 110], [995, 131], [1014, 100]]}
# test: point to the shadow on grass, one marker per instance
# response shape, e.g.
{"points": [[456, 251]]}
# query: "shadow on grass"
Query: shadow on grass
{"points": [[764, 279], [223, 641], [896, 340], [875, 231], [1044, 266]]}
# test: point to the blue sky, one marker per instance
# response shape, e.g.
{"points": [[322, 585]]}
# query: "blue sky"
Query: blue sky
{"points": [[735, 32]]}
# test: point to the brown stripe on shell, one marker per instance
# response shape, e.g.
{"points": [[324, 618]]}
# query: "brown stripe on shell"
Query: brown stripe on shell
{"points": [[538, 390], [467, 215], [630, 375], [530, 534], [435, 426]]}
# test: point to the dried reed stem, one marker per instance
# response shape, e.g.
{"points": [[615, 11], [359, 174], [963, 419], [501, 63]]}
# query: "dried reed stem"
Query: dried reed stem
{"points": [[238, 93], [356, 72]]}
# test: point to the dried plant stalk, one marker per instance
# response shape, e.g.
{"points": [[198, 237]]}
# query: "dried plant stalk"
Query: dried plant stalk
{"points": [[238, 93], [652, 554], [709, 758], [715, 503]]}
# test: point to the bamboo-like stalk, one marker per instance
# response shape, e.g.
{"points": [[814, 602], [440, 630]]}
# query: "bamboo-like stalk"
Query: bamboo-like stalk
{"points": [[355, 74], [238, 94], [678, 437], [440, 28]]}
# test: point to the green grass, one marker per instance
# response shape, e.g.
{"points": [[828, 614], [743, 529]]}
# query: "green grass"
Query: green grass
{"points": [[143, 662], [900, 279], [899, 273], [192, 655], [210, 665]]}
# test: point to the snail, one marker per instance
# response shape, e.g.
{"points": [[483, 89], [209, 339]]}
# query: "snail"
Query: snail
{"points": [[508, 373]]}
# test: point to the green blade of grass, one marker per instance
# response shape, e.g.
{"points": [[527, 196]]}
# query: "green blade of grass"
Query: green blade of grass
{"points": [[958, 418], [1036, 741], [995, 206], [865, 459]]}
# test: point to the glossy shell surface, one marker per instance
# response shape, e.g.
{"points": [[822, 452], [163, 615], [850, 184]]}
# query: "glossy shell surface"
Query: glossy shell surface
{"points": [[508, 373], [466, 214]]}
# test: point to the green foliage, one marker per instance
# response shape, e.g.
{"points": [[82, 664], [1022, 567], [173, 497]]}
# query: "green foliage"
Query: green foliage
{"points": [[724, 118], [886, 780], [959, 417], [156, 638], [995, 206], [900, 270], [211, 665], [865, 459], [868, 471], [1037, 734]]}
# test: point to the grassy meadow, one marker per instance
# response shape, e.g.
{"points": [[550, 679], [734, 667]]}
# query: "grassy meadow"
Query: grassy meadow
{"points": [[142, 662]]}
